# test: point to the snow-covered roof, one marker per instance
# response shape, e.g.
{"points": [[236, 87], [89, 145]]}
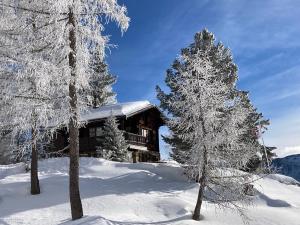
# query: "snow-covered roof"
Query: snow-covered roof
{"points": [[126, 109]]}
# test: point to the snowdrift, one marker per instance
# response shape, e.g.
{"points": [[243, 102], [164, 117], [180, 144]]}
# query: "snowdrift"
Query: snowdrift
{"points": [[131, 194], [11, 169]]}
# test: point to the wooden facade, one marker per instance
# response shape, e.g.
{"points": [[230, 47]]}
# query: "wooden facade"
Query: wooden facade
{"points": [[141, 130]]}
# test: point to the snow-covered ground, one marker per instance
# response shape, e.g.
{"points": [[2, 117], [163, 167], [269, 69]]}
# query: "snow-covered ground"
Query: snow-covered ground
{"points": [[130, 194]]}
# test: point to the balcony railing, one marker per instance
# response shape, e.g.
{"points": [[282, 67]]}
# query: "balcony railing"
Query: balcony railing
{"points": [[135, 139]]}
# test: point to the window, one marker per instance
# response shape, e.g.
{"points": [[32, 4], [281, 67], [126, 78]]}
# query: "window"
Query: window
{"points": [[92, 132], [98, 131], [95, 131], [145, 132]]}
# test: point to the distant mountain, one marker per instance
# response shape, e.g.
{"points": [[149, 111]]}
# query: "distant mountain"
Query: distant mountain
{"points": [[289, 166]]}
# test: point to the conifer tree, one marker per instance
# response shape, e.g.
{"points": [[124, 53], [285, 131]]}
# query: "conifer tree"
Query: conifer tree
{"points": [[28, 81], [207, 113], [67, 31], [218, 55], [179, 147], [102, 81], [113, 142], [256, 125]]}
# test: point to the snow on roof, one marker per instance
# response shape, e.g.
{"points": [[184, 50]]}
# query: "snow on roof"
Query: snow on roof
{"points": [[119, 109]]}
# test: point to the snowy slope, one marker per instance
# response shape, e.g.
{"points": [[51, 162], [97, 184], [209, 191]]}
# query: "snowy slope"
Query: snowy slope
{"points": [[12, 169], [131, 194]]}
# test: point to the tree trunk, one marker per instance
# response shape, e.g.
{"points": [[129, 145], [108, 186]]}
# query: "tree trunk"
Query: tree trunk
{"points": [[202, 182], [35, 185], [196, 215], [75, 200]]}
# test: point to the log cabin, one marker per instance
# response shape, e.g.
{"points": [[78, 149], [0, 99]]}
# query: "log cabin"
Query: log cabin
{"points": [[139, 120]]}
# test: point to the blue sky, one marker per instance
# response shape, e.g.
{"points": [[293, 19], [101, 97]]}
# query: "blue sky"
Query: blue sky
{"points": [[264, 37]]}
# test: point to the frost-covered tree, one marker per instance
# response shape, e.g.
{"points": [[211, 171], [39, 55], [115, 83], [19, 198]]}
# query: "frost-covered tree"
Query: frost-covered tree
{"points": [[67, 31], [255, 125], [102, 81], [28, 81], [206, 112], [113, 143], [178, 147]]}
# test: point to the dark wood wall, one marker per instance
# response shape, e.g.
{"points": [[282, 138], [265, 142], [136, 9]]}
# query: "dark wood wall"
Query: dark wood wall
{"points": [[149, 120]]}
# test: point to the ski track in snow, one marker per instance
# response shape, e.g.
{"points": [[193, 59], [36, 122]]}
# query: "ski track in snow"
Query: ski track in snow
{"points": [[132, 194]]}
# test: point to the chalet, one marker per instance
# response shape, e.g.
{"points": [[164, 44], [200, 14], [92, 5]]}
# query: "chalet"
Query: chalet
{"points": [[5, 148], [139, 120]]}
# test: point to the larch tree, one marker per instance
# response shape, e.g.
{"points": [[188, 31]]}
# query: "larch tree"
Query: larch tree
{"points": [[69, 31], [28, 80], [207, 114], [113, 143]]}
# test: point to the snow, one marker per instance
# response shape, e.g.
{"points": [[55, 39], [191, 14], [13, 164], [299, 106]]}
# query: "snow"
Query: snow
{"points": [[284, 179], [131, 194], [118, 109], [11, 169]]}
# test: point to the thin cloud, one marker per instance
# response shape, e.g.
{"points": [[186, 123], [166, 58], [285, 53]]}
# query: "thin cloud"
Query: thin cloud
{"points": [[286, 151], [284, 131]]}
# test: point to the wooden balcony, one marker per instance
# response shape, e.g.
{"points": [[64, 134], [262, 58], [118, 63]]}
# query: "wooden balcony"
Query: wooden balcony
{"points": [[135, 139]]}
